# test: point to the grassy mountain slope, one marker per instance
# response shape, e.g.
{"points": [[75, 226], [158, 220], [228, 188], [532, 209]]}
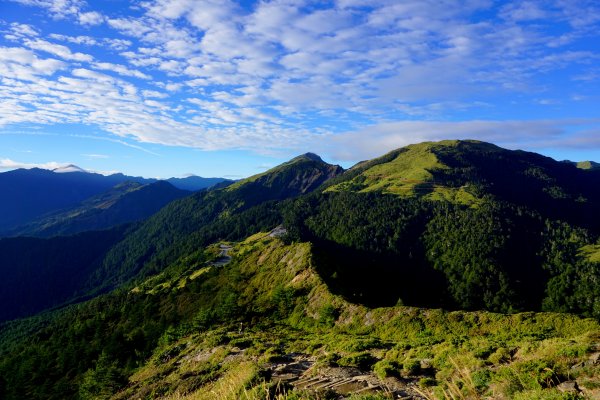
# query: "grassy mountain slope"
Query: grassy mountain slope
{"points": [[209, 216], [179, 334], [405, 172], [463, 172], [126, 202]]}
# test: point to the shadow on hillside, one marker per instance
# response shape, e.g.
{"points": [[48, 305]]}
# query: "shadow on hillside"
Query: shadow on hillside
{"points": [[379, 280]]}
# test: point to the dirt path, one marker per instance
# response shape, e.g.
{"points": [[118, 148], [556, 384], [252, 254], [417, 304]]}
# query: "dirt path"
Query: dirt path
{"points": [[224, 257]]}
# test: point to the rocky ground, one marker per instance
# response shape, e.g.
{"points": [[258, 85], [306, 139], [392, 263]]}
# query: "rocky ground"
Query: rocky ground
{"points": [[297, 370]]}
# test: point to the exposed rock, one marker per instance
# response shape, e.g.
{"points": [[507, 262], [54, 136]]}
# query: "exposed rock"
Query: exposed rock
{"points": [[297, 370], [568, 387], [594, 359]]}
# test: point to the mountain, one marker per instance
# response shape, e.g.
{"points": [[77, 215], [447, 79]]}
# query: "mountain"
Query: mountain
{"points": [[452, 269], [232, 212], [194, 183], [464, 172], [124, 203], [30, 193], [484, 227]]}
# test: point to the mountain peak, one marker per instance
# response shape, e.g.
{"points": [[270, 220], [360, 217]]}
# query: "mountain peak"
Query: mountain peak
{"points": [[301, 174], [309, 156], [68, 168]]}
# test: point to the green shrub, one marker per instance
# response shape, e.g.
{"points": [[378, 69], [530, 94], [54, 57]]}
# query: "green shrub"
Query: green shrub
{"points": [[500, 356], [412, 367], [385, 368], [427, 382], [481, 379], [328, 314], [361, 360]]}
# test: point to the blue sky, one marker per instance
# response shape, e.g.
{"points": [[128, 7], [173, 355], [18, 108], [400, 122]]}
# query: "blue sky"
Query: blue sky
{"points": [[224, 88]]}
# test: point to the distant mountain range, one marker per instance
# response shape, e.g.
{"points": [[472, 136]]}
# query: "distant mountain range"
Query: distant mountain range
{"points": [[33, 194], [194, 183], [126, 202]]}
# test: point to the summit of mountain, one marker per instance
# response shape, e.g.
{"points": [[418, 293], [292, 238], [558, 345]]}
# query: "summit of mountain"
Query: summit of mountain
{"points": [[232, 212], [466, 171], [302, 174]]}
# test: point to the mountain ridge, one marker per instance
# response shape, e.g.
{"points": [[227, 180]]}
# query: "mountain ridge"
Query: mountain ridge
{"points": [[32, 193], [463, 171]]}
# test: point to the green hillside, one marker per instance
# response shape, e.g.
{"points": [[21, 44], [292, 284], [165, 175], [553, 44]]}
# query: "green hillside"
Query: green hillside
{"points": [[449, 270], [588, 165], [231, 213], [464, 172], [230, 331], [408, 172]]}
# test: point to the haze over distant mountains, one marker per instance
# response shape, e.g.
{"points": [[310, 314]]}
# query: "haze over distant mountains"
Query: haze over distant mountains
{"points": [[33, 194], [125, 202]]}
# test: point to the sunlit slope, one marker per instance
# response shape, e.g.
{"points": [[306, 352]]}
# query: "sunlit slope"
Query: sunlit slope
{"points": [[205, 330], [409, 172], [465, 171]]}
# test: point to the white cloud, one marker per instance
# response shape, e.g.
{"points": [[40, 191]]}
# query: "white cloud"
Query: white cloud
{"points": [[90, 18], [57, 8], [120, 69], [85, 40], [23, 30], [282, 73], [19, 63], [58, 50], [154, 94], [524, 11], [8, 164], [117, 44], [131, 27]]}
